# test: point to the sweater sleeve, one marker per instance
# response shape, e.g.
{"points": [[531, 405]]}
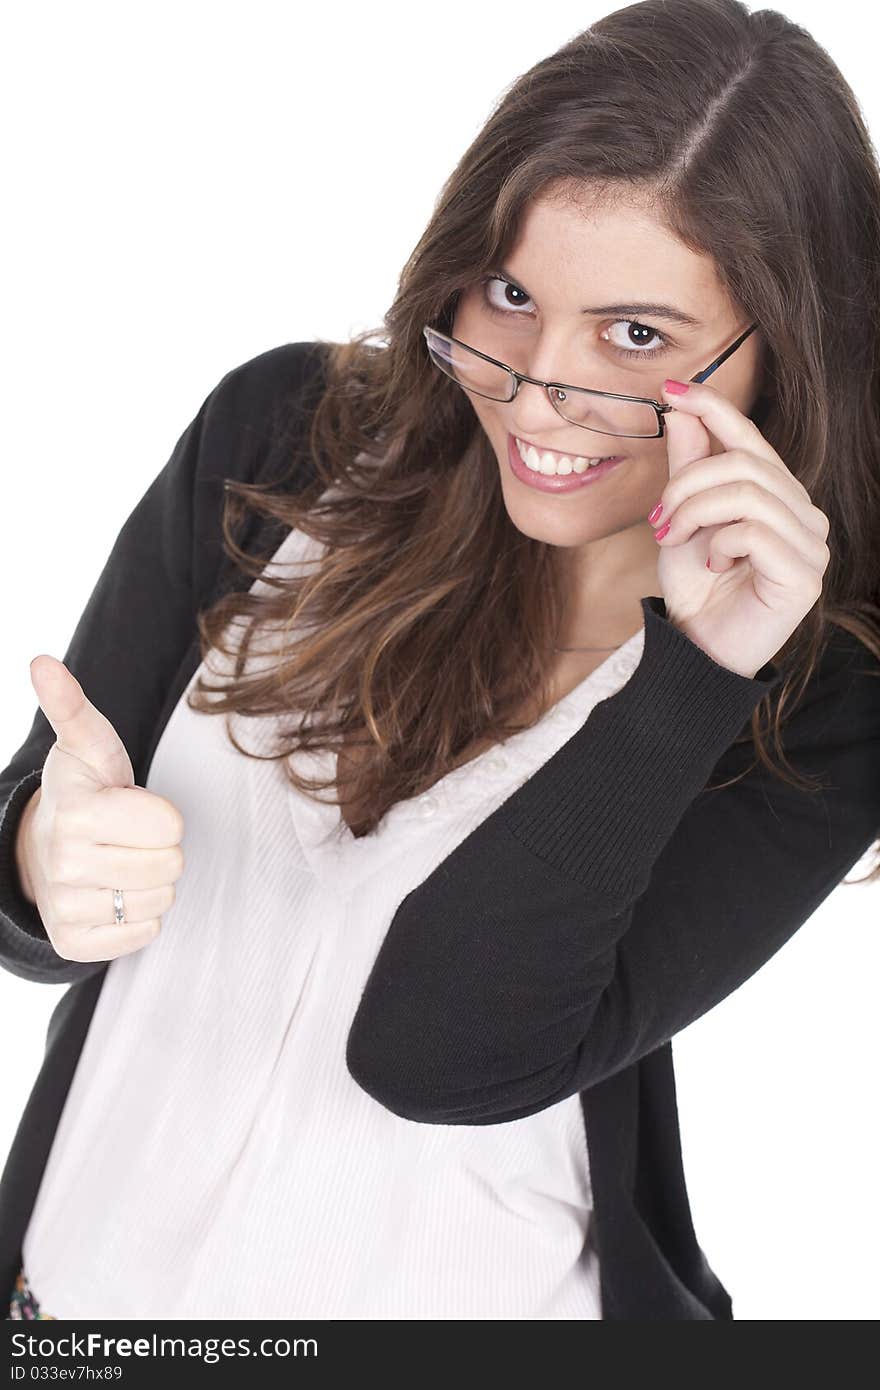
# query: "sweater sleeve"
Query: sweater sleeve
{"points": [[616, 896], [140, 619]]}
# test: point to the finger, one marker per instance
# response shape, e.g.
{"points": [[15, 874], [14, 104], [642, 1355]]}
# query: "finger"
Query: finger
{"points": [[82, 731], [687, 441], [737, 466], [105, 943], [746, 502], [133, 817], [93, 907], [107, 866], [778, 568], [723, 419]]}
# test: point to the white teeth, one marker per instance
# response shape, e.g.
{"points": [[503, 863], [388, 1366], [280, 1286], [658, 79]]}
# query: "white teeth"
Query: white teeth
{"points": [[547, 463]]}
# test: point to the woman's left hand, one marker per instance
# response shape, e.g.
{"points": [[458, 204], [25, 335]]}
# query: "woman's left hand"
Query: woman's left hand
{"points": [[751, 518]]}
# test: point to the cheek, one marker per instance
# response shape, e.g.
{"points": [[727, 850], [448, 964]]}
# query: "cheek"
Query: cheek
{"points": [[493, 427]]}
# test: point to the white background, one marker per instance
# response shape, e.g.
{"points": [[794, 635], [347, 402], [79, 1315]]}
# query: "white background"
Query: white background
{"points": [[190, 184]]}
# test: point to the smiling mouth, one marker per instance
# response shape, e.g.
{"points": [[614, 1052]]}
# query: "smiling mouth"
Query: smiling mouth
{"points": [[553, 463]]}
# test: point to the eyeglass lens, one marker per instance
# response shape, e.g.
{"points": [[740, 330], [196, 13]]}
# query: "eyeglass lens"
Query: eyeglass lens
{"points": [[603, 414]]}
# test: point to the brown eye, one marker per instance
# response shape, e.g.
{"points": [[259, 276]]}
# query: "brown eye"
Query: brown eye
{"points": [[502, 295], [638, 332]]}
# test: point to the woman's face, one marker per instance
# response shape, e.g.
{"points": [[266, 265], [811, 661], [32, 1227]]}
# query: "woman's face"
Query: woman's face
{"points": [[534, 320]]}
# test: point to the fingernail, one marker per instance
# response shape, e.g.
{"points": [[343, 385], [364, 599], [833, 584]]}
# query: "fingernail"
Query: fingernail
{"points": [[658, 535], [655, 514], [675, 388]]}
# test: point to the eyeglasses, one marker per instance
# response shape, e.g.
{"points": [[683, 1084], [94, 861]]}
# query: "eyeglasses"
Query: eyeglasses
{"points": [[605, 412]]}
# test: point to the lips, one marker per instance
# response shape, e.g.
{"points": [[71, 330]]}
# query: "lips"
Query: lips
{"points": [[557, 482]]}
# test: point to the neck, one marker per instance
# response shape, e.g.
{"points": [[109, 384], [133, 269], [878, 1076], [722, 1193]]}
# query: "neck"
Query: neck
{"points": [[602, 614]]}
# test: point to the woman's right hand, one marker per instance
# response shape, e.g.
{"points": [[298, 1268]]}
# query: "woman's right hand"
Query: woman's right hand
{"points": [[93, 830]]}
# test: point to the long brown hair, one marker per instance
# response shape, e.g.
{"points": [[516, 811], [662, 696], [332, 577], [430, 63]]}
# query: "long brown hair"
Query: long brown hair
{"points": [[430, 622]]}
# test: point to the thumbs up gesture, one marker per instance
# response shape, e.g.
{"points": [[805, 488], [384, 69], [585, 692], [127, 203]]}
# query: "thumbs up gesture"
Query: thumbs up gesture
{"points": [[742, 547], [92, 831]]}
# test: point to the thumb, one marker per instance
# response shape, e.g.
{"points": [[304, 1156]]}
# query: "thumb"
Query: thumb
{"points": [[687, 439], [81, 729]]}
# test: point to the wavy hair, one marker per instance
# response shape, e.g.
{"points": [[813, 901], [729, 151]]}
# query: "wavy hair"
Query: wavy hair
{"points": [[754, 152]]}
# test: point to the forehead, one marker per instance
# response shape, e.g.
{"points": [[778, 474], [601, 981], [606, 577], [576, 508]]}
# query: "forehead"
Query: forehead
{"points": [[575, 248]]}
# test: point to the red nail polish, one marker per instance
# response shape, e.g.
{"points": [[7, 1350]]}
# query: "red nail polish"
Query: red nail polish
{"points": [[658, 535], [656, 514], [675, 388], [709, 564]]}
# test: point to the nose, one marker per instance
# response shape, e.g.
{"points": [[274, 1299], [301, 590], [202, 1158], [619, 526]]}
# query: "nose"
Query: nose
{"points": [[538, 419], [541, 424]]}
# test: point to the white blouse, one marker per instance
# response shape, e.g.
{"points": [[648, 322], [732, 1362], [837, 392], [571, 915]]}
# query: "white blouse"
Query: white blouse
{"points": [[215, 1159]]}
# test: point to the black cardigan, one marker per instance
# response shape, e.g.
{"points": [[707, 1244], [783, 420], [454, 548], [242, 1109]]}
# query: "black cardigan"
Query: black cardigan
{"points": [[612, 899]]}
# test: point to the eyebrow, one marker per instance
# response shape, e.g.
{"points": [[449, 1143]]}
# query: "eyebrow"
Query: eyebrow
{"points": [[657, 311]]}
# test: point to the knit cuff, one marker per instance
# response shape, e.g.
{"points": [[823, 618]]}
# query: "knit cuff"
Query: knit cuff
{"points": [[14, 906]]}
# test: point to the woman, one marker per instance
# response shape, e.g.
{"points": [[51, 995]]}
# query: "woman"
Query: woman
{"points": [[404, 1051]]}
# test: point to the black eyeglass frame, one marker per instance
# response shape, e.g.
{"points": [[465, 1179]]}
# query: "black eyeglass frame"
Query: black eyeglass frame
{"points": [[661, 408]]}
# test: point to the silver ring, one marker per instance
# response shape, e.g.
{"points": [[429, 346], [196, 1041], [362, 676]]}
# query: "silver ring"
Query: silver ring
{"points": [[118, 905]]}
